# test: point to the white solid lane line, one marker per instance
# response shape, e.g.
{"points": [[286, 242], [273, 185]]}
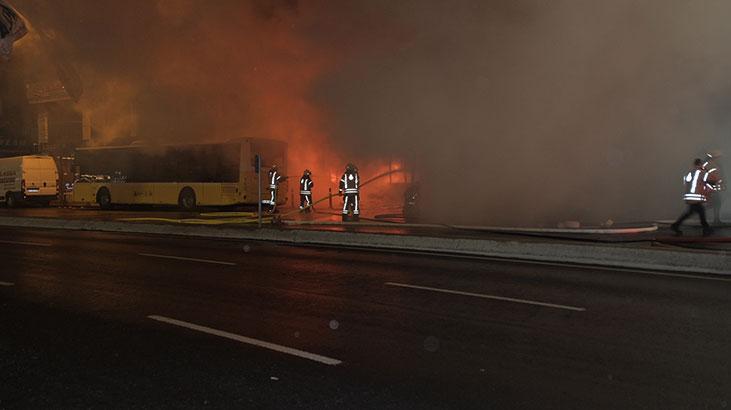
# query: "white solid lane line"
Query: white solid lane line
{"points": [[6, 283], [648, 271], [26, 243], [248, 340], [480, 295], [596, 267], [182, 258]]}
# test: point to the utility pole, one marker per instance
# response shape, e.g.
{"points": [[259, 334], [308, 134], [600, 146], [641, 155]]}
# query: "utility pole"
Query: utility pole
{"points": [[258, 177]]}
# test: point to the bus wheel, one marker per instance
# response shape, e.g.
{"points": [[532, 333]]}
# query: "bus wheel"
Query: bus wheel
{"points": [[10, 200], [186, 199], [104, 199]]}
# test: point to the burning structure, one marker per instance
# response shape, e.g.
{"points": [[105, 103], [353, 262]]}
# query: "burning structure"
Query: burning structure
{"points": [[508, 111]]}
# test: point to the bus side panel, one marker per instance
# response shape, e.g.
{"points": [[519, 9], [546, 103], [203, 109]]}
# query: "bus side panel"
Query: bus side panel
{"points": [[208, 193], [219, 194], [247, 175], [148, 193], [248, 187], [129, 193], [168, 193], [85, 193]]}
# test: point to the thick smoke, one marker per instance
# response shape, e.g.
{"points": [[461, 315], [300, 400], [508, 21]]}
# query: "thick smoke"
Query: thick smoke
{"points": [[535, 112], [508, 111], [194, 71]]}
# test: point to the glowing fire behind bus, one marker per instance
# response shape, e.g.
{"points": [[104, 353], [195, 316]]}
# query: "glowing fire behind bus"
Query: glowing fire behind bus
{"points": [[186, 175]]}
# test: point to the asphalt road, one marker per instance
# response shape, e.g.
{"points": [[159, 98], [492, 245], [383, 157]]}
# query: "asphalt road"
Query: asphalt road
{"points": [[96, 320]]}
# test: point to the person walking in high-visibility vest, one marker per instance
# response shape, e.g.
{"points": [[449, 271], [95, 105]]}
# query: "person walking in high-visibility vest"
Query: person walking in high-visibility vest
{"points": [[306, 185], [350, 189], [697, 182]]}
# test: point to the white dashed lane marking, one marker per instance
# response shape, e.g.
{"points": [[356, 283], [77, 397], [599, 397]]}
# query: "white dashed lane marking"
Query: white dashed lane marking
{"points": [[248, 340], [483, 296], [26, 243], [183, 258]]}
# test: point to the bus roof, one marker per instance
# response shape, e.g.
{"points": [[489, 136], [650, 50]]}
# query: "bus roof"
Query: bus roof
{"points": [[185, 144], [35, 156]]}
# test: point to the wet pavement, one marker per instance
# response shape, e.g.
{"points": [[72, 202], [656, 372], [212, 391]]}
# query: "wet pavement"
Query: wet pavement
{"points": [[327, 219], [407, 331]]}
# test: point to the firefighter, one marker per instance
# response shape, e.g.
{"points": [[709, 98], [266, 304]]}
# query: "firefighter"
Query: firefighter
{"points": [[715, 173], [697, 181], [349, 188], [306, 185], [274, 179]]}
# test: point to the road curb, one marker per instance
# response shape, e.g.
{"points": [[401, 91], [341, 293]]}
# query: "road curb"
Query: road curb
{"points": [[504, 229], [573, 253]]}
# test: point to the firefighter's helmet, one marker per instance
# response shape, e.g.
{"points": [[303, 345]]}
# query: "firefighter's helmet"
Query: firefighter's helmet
{"points": [[350, 167], [307, 172]]}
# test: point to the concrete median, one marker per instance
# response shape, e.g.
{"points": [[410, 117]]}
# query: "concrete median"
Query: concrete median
{"points": [[636, 257]]}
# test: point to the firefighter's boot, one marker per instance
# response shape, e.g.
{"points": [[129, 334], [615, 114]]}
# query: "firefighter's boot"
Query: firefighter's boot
{"points": [[676, 230]]}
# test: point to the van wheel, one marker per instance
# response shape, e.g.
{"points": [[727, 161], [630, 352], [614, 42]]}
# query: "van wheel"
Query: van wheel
{"points": [[104, 199], [186, 199], [10, 200]]}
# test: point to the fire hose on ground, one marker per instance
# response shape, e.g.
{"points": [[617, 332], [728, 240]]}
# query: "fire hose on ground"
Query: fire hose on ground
{"points": [[212, 218], [244, 217]]}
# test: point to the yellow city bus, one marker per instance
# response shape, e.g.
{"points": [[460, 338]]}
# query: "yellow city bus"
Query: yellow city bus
{"points": [[186, 175]]}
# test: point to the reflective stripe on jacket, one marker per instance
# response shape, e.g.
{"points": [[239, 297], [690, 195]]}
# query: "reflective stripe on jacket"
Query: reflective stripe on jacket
{"points": [[306, 185], [349, 183], [695, 183], [274, 179], [714, 176]]}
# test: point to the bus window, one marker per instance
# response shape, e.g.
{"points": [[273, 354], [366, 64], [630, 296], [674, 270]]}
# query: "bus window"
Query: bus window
{"points": [[180, 163]]}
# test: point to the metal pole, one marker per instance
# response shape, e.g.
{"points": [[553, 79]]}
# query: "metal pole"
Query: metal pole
{"points": [[258, 177], [390, 168]]}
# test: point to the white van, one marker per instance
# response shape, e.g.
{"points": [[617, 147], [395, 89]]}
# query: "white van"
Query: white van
{"points": [[30, 178]]}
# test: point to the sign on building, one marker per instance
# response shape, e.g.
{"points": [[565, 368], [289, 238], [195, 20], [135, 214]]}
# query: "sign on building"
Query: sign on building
{"points": [[46, 91]]}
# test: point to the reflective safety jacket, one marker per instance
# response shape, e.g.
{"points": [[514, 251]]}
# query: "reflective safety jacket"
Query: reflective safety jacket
{"points": [[714, 174], [306, 185], [274, 179], [349, 183], [698, 184]]}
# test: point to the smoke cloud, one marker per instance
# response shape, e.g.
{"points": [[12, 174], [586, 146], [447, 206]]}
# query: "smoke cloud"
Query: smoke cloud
{"points": [[509, 112]]}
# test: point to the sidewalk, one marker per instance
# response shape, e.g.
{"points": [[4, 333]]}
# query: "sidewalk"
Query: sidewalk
{"points": [[636, 255]]}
